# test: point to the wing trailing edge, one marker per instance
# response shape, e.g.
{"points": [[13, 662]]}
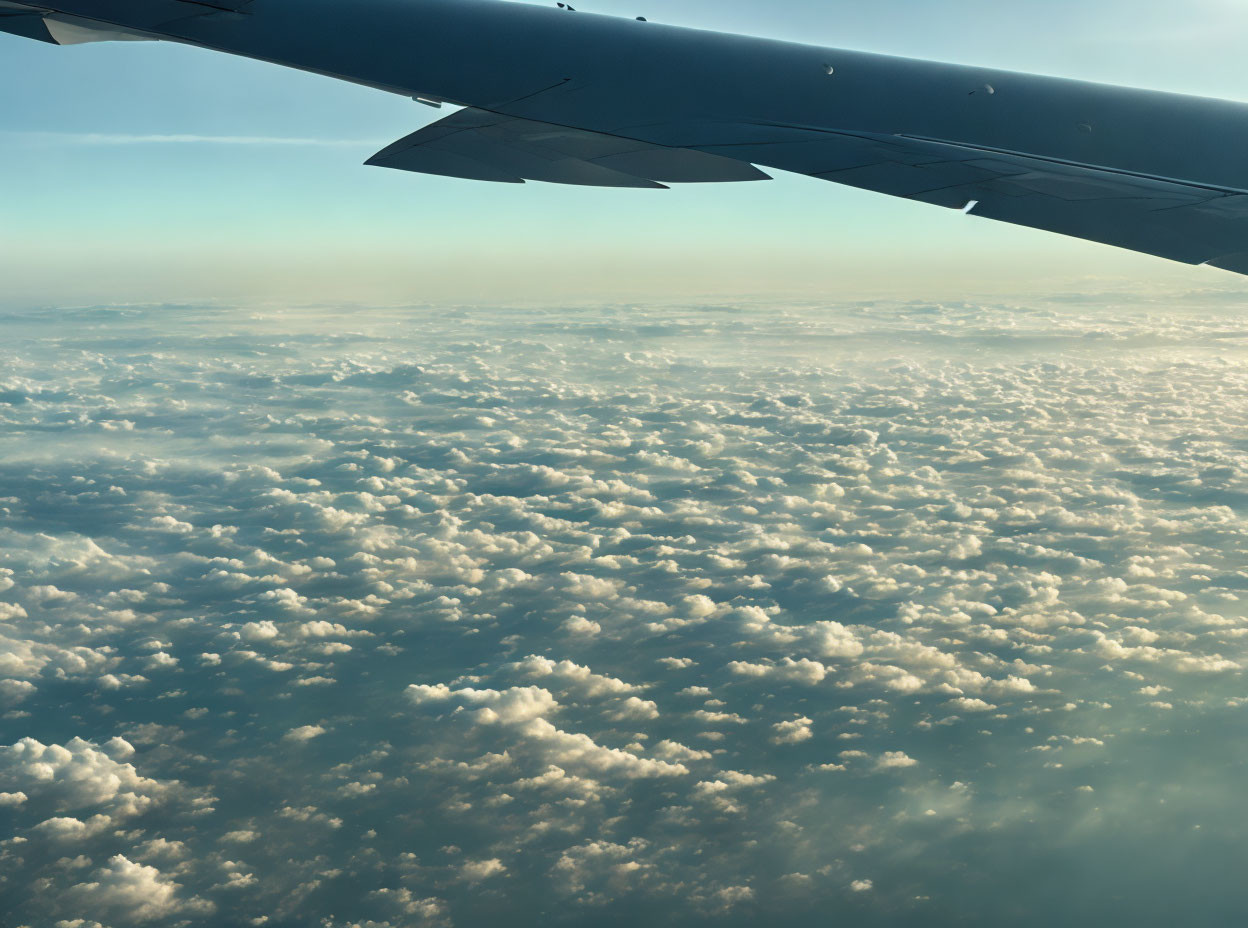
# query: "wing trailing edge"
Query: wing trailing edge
{"points": [[480, 145]]}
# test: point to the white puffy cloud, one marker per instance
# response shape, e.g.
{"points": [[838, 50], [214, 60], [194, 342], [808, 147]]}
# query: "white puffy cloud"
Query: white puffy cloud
{"points": [[724, 794], [426, 912], [172, 525], [285, 599], [583, 587], [320, 628], [895, 760], [14, 691], [422, 693], [24, 661], [787, 670], [259, 631], [674, 751], [131, 892], [524, 710], [793, 731], [66, 828], [79, 776], [730, 896], [571, 675], [970, 704], [600, 864], [576, 750], [635, 709], [475, 871], [161, 661], [304, 733], [506, 707], [578, 625]]}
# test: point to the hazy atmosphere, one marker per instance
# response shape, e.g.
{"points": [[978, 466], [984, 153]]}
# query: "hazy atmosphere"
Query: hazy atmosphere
{"points": [[391, 551]]}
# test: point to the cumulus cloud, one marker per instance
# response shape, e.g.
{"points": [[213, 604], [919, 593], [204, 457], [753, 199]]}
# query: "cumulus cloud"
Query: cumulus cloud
{"points": [[968, 704], [505, 707], [580, 750], [79, 775], [787, 670], [585, 680], [895, 760], [793, 731], [132, 892], [474, 871], [305, 733], [599, 863], [634, 709], [14, 691], [259, 631], [428, 912], [67, 829]]}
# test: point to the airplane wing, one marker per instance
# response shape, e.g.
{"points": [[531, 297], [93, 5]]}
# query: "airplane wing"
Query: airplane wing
{"points": [[575, 98]]}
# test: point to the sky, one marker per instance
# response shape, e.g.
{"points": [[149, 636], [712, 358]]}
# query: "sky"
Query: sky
{"points": [[386, 551], [154, 172]]}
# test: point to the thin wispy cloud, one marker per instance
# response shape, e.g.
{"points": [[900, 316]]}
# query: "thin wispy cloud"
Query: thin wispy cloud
{"points": [[119, 138]]}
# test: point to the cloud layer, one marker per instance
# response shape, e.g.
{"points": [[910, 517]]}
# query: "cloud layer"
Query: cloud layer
{"points": [[723, 614]]}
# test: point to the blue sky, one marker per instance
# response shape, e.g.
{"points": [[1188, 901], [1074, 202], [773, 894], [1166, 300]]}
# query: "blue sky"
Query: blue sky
{"points": [[92, 212]]}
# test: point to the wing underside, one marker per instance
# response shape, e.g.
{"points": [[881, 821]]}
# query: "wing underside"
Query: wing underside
{"points": [[481, 145], [1182, 221]]}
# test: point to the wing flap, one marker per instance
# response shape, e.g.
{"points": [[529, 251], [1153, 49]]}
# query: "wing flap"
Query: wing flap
{"points": [[480, 145], [58, 28], [71, 30]]}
